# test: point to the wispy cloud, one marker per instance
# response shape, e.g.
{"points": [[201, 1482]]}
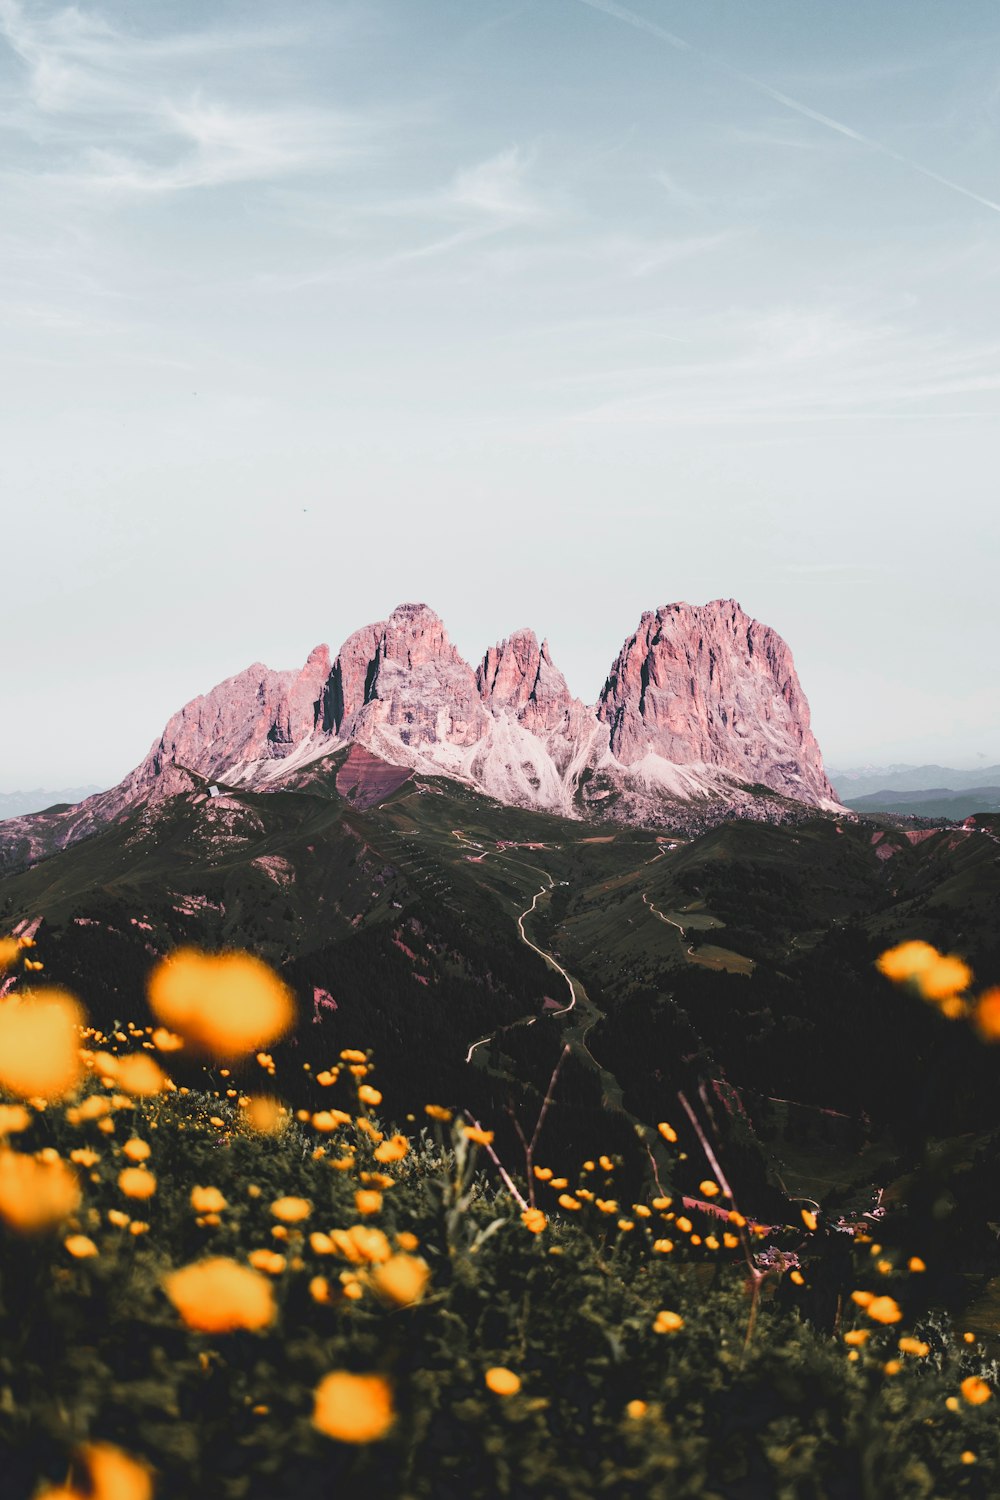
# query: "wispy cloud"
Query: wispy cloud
{"points": [[796, 106], [86, 86], [204, 144], [798, 364], [677, 192], [496, 187], [477, 203]]}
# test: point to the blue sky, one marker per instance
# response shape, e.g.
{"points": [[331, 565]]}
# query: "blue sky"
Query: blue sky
{"points": [[545, 313]]}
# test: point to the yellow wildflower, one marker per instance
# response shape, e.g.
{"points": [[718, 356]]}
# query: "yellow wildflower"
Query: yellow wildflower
{"points": [[207, 1200], [401, 1279], [975, 1391], [36, 1195], [224, 1004], [264, 1114], [986, 1015], [219, 1295], [80, 1247], [353, 1408], [291, 1210], [40, 1044], [9, 950], [267, 1260], [167, 1041], [136, 1182], [906, 961], [13, 1119], [392, 1149], [667, 1322], [501, 1381], [884, 1310], [138, 1074]]}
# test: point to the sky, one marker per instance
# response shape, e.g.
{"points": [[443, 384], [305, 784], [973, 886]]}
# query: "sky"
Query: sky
{"points": [[544, 313]]}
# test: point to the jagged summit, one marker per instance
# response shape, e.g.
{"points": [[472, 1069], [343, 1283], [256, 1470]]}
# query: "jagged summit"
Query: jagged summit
{"points": [[701, 702], [706, 684]]}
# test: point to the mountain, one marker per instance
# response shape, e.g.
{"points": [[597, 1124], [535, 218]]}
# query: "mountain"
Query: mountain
{"points": [[702, 709], [936, 802], [864, 781], [17, 804]]}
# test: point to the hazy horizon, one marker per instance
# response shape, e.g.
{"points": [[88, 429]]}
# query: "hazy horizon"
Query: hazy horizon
{"points": [[546, 313]]}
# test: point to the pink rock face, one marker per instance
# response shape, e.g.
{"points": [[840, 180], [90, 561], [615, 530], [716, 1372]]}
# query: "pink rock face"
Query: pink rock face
{"points": [[693, 686], [420, 688], [256, 715], [518, 675], [347, 689], [708, 684]]}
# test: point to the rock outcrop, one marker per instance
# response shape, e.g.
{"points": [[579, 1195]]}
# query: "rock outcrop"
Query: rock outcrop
{"points": [[518, 675], [421, 691], [708, 685]]}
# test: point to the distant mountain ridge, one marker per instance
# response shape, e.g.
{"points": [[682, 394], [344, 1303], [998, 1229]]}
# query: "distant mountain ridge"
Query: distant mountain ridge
{"points": [[868, 781], [19, 804], [702, 704], [935, 802]]}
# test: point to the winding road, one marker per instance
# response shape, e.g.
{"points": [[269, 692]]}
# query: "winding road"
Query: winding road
{"points": [[543, 890]]}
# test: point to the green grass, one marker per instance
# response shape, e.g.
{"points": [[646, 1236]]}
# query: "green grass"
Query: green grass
{"points": [[92, 1350]]}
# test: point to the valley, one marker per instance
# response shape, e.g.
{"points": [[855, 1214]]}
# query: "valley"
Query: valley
{"points": [[472, 944]]}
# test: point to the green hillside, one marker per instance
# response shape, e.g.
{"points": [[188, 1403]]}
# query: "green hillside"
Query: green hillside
{"points": [[471, 943]]}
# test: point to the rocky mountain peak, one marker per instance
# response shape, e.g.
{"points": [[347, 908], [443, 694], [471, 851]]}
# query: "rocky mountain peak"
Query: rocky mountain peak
{"points": [[419, 690], [348, 685], [414, 635], [706, 684], [518, 675]]}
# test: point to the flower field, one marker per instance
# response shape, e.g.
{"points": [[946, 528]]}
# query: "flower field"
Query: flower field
{"points": [[205, 1292]]}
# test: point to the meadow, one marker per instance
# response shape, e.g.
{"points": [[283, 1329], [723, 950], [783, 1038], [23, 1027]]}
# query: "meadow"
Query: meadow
{"points": [[205, 1291]]}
